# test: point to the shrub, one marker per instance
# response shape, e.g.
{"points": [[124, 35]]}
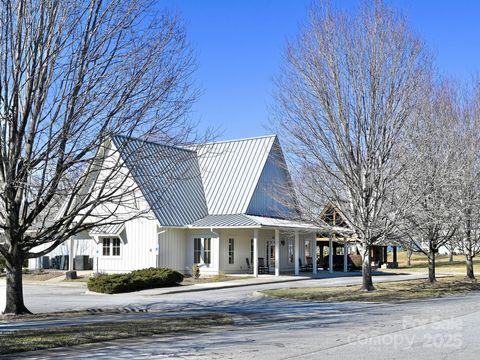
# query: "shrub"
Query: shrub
{"points": [[136, 280], [196, 271]]}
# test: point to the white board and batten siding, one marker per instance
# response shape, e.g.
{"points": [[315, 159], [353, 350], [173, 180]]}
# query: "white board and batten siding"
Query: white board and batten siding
{"points": [[137, 251], [172, 250]]}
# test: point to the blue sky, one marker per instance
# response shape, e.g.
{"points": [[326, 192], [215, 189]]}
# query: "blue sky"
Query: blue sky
{"points": [[240, 43]]}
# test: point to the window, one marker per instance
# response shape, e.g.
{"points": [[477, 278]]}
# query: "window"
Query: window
{"points": [[207, 250], [116, 247], [231, 251], [197, 250], [111, 246], [106, 247]]}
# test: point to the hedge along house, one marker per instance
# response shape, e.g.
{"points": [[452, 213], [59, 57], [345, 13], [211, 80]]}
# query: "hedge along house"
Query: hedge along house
{"points": [[227, 206]]}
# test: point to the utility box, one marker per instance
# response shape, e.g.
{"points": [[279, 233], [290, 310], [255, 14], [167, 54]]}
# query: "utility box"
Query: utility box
{"points": [[71, 275], [45, 262], [81, 262]]}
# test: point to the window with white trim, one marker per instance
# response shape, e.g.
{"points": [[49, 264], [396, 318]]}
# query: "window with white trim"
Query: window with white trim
{"points": [[231, 251], [106, 247], [115, 247], [111, 246], [202, 250], [197, 250]]}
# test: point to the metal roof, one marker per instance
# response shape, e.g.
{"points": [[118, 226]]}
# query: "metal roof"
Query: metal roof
{"points": [[233, 220], [205, 186], [284, 223], [230, 172], [168, 177], [250, 221], [112, 230]]}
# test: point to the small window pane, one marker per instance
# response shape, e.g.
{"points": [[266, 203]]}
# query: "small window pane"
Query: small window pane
{"points": [[116, 247], [106, 247]]}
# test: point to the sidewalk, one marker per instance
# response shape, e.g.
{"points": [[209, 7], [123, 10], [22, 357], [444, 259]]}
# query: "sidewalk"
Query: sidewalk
{"points": [[251, 281]]}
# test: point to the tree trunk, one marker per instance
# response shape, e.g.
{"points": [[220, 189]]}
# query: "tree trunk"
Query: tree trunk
{"points": [[470, 274], [450, 257], [431, 265], [14, 304], [367, 283], [409, 257]]}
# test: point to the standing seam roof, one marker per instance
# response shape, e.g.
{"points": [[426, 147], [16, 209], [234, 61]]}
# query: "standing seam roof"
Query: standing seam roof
{"points": [[168, 177], [230, 171]]}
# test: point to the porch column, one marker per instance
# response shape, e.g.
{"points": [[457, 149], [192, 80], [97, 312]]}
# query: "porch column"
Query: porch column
{"points": [[296, 253], [277, 252], [313, 254], [255, 252], [394, 254], [345, 256], [70, 255], [385, 255], [330, 255]]}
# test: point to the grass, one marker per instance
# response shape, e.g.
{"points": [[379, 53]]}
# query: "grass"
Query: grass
{"points": [[42, 275], [385, 292], [29, 340], [419, 263]]}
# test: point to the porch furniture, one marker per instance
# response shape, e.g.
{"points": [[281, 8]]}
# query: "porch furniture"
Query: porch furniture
{"points": [[262, 269], [308, 266]]}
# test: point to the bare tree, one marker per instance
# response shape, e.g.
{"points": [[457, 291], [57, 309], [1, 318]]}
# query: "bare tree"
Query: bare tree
{"points": [[72, 75], [349, 85], [430, 174], [467, 239]]}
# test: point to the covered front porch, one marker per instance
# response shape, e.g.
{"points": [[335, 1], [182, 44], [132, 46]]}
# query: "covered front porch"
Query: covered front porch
{"points": [[257, 245]]}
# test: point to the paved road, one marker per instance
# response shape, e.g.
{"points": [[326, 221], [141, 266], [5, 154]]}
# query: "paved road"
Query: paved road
{"points": [[278, 329], [65, 297]]}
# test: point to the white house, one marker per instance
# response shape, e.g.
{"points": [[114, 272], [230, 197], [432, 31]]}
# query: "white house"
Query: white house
{"points": [[221, 206]]}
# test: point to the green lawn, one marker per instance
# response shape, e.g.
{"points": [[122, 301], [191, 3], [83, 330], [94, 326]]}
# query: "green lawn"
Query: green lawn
{"points": [[420, 263], [39, 339], [385, 291]]}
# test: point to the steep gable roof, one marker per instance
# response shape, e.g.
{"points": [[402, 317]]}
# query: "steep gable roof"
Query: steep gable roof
{"points": [[168, 177], [274, 195], [230, 172]]}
